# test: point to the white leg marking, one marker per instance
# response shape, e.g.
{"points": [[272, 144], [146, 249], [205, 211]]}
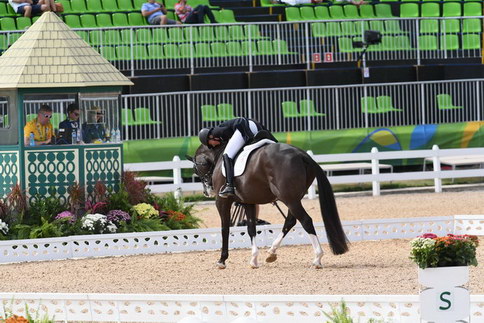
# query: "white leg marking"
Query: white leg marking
{"points": [[275, 245], [255, 253], [318, 251]]}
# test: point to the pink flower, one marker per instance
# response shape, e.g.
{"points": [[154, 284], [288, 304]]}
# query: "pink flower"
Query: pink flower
{"points": [[66, 215], [428, 236]]}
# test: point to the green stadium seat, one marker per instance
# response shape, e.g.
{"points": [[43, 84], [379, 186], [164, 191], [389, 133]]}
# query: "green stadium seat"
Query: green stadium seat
{"points": [[88, 21], [471, 25], [104, 20], [222, 33], [175, 35], [203, 50], [226, 16], [410, 10], [348, 28], [253, 32], [393, 27], [384, 104], [128, 36], [112, 37], [96, 37], [219, 49], [206, 33], [351, 11], [155, 51], [377, 25], [78, 6], [279, 46], [307, 13], [387, 43], [430, 9], [317, 29], [110, 6], [8, 23], [234, 49], [451, 9], [333, 29], [444, 102], [472, 9], [429, 26], [143, 117], [144, 36], [322, 13], [471, 41], [3, 41], [249, 48], [94, 6], [367, 12], [345, 45], [191, 34], [449, 42], [127, 118], [23, 23], [225, 111], [13, 37], [10, 11], [160, 35], [83, 34], [67, 5], [403, 43], [336, 12], [108, 52], [187, 50], [73, 21], [171, 51], [450, 26], [138, 3], [368, 105], [427, 42], [307, 108], [264, 47], [268, 3], [126, 5], [293, 14], [383, 10], [136, 19], [3, 9], [120, 19], [289, 109], [209, 113], [236, 32]]}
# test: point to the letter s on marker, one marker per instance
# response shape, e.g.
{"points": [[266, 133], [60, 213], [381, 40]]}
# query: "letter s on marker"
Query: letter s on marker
{"points": [[449, 304]]}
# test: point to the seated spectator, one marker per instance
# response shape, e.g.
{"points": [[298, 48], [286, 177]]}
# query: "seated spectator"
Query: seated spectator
{"points": [[69, 125], [188, 15], [29, 8], [93, 130], [40, 127], [296, 2], [155, 13]]}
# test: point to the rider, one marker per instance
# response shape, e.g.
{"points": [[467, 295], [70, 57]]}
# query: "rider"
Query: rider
{"points": [[236, 133]]}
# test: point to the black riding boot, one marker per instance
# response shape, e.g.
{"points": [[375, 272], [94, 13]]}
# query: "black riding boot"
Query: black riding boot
{"points": [[229, 189]]}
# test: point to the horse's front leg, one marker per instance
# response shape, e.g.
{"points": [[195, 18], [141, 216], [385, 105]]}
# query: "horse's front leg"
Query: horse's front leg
{"points": [[223, 207], [289, 223], [250, 210]]}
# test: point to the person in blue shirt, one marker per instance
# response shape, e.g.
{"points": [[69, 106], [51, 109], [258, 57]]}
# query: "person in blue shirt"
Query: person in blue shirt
{"points": [[155, 13], [71, 123]]}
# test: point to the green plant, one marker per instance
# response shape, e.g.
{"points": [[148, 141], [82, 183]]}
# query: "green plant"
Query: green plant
{"points": [[45, 230], [429, 250], [43, 208], [119, 201], [339, 314], [142, 225], [170, 202]]}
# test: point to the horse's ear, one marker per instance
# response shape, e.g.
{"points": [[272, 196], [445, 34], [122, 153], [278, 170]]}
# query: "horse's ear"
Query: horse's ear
{"points": [[189, 158]]}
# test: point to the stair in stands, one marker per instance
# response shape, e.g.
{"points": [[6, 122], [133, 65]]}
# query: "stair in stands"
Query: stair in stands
{"points": [[258, 18], [232, 3]]}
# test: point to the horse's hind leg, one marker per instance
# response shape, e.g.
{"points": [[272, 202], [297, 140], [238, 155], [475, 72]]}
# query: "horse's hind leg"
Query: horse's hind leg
{"points": [[289, 223], [300, 213], [250, 210]]}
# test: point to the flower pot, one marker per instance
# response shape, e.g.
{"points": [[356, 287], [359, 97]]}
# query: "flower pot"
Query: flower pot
{"points": [[444, 299]]}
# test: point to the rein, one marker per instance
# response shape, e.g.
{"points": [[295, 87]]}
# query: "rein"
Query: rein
{"points": [[208, 175]]}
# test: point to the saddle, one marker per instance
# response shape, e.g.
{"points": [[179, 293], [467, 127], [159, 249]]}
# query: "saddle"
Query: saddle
{"points": [[243, 156]]}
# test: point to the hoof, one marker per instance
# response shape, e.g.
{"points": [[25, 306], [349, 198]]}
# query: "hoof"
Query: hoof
{"points": [[271, 258], [221, 265], [252, 266], [317, 266]]}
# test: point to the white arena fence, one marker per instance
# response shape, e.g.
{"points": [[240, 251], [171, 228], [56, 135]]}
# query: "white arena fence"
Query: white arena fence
{"points": [[138, 243], [363, 106], [221, 308], [188, 47], [475, 158]]}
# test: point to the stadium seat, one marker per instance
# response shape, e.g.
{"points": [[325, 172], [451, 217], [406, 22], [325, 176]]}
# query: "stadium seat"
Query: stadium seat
{"points": [[206, 33], [249, 48], [127, 118], [30, 117], [94, 6], [202, 50], [234, 49], [209, 113], [450, 26], [429, 26], [78, 6], [317, 29], [253, 32], [191, 34], [188, 50], [336, 12], [126, 5], [222, 33], [108, 52], [83, 34], [73, 21], [226, 16], [393, 27], [8, 23], [367, 12], [144, 36], [403, 43], [368, 105], [171, 51], [322, 13], [95, 37], [155, 51], [333, 29], [351, 11], [176, 35], [110, 6], [3, 9], [112, 37], [444, 102], [143, 117], [449, 42], [289, 109], [348, 28], [88, 21], [138, 3], [218, 49], [427, 42], [307, 13], [451, 9], [279, 46], [385, 104], [136, 19], [104, 20], [293, 14], [377, 25], [308, 109], [23, 23], [160, 35], [471, 41], [128, 36], [472, 9], [3, 41], [471, 25], [264, 47], [120, 19], [12, 37], [225, 111], [236, 32], [345, 45], [383, 10], [66, 4], [410, 10], [430, 9]]}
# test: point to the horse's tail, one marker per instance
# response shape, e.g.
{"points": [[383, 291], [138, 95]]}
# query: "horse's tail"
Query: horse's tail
{"points": [[332, 223]]}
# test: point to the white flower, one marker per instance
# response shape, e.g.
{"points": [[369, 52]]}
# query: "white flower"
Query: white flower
{"points": [[89, 221], [3, 227], [111, 227]]}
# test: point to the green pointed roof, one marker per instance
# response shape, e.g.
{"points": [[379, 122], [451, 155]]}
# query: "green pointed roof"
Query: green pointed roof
{"points": [[49, 54]]}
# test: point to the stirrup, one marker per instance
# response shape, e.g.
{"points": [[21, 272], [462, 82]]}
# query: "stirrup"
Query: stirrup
{"points": [[227, 191]]}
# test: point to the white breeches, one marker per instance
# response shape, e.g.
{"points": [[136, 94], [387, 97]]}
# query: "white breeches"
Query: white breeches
{"points": [[237, 141]]}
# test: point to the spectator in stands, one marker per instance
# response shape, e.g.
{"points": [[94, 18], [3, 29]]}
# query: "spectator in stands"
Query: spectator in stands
{"points": [[70, 124], [40, 127], [296, 2], [155, 13], [355, 2], [93, 130], [188, 15], [30, 8]]}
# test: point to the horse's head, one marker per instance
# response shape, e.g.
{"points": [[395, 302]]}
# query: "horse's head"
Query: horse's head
{"points": [[204, 162]]}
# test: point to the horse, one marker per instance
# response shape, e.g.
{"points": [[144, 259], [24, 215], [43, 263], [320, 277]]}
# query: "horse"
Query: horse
{"points": [[275, 172]]}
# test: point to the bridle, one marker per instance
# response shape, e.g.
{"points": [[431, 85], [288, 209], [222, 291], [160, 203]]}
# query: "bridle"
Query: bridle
{"points": [[206, 178]]}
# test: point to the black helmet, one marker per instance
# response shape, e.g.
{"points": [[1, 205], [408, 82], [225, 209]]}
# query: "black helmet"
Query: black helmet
{"points": [[203, 135]]}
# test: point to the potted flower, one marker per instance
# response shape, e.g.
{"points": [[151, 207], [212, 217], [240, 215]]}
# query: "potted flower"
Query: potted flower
{"points": [[443, 268]]}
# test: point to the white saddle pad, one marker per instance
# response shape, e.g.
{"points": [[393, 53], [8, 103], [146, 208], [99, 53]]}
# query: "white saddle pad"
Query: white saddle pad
{"points": [[241, 160]]}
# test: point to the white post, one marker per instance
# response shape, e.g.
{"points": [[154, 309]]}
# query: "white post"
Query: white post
{"points": [[437, 169], [177, 178], [375, 171], [312, 188]]}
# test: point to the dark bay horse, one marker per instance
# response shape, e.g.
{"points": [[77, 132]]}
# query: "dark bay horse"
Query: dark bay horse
{"points": [[275, 172]]}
